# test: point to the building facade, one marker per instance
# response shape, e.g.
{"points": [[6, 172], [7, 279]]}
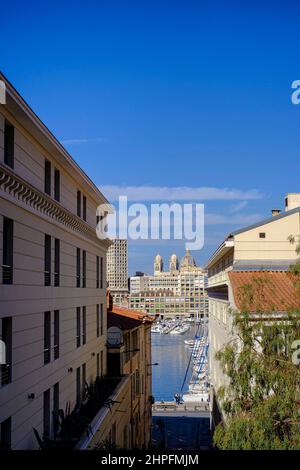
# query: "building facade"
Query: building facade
{"points": [[179, 292], [117, 271], [52, 278], [261, 250], [126, 423]]}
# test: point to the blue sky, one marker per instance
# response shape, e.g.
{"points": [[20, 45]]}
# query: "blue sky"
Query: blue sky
{"points": [[166, 95]]}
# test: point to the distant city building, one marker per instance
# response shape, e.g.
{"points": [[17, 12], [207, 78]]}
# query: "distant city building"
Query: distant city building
{"points": [[180, 291], [117, 271]]}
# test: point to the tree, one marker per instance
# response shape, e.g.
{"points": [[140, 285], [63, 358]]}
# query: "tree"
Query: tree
{"points": [[261, 403]]}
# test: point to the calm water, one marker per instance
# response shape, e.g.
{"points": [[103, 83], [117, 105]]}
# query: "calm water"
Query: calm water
{"points": [[173, 356]]}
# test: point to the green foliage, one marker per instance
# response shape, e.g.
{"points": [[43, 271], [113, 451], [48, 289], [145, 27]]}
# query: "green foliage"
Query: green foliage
{"points": [[262, 400]]}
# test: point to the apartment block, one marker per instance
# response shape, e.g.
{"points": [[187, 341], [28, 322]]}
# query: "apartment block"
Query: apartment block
{"points": [[265, 250], [117, 271], [52, 277]]}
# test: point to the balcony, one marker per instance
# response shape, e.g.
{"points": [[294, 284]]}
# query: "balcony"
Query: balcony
{"points": [[219, 278], [7, 274], [77, 429]]}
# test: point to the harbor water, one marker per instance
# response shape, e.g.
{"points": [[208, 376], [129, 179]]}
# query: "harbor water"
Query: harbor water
{"points": [[172, 355]]}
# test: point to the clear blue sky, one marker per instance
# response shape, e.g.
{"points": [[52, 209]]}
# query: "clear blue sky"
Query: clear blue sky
{"points": [[166, 94]]}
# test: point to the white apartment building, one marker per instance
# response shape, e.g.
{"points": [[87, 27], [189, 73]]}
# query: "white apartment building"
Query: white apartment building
{"points": [[117, 271], [52, 277], [262, 250]]}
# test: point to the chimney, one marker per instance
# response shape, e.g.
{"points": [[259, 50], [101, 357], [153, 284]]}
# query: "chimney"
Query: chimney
{"points": [[275, 212], [292, 201]]}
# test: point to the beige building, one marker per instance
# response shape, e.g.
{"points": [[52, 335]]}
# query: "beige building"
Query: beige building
{"points": [[52, 277], [117, 271], [263, 249], [125, 422], [179, 291]]}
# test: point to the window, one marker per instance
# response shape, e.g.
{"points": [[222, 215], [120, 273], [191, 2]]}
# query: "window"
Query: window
{"points": [[47, 260], [78, 268], [98, 365], [57, 184], [84, 208], [83, 325], [262, 235], [101, 319], [56, 262], [78, 327], [101, 363], [48, 177], [8, 239], [83, 367], [9, 144], [78, 385], [46, 418], [6, 369], [56, 334], [5, 434], [137, 382], [97, 321], [97, 273], [47, 337], [101, 273], [83, 268], [79, 203], [55, 408]]}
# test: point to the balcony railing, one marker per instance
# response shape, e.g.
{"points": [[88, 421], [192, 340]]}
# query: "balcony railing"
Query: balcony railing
{"points": [[7, 274], [47, 355], [47, 275], [56, 279], [5, 374]]}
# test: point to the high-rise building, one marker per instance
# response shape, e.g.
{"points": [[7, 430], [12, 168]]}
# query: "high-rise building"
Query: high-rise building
{"points": [[117, 271], [180, 291]]}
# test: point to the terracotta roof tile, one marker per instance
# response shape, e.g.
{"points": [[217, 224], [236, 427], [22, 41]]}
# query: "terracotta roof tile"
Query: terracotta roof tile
{"points": [[126, 318], [264, 291]]}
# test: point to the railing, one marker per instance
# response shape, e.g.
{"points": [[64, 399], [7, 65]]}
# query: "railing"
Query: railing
{"points": [[5, 374], [47, 355], [47, 278], [7, 274], [56, 279], [56, 351]]}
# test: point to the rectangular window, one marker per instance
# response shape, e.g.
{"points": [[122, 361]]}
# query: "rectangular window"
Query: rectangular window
{"points": [[83, 325], [57, 184], [101, 273], [79, 203], [98, 365], [8, 250], [9, 144], [97, 321], [78, 268], [55, 408], [78, 327], [6, 369], [56, 334], [78, 385], [101, 363], [84, 208], [46, 417], [83, 268], [47, 337], [48, 177], [56, 262], [97, 272], [101, 319], [83, 380], [5, 434], [262, 235], [47, 260]]}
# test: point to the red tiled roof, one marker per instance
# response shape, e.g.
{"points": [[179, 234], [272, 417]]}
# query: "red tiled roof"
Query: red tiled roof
{"points": [[264, 291], [126, 318]]}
